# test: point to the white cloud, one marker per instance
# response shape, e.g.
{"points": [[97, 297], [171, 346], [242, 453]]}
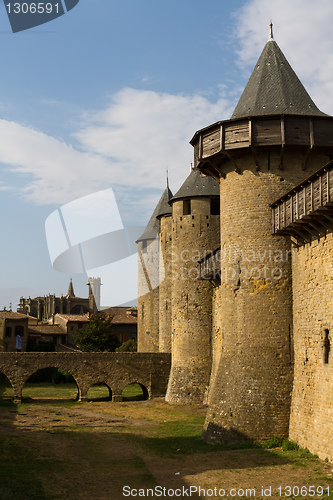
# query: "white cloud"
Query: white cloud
{"points": [[146, 132], [302, 28], [128, 145], [53, 168]]}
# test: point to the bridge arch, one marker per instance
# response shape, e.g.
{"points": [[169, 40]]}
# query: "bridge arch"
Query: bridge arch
{"points": [[3, 382], [145, 391], [8, 375], [116, 370], [52, 381], [109, 398]]}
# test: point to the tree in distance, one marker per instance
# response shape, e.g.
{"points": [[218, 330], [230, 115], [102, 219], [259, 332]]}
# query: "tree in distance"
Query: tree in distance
{"points": [[128, 346], [97, 336]]}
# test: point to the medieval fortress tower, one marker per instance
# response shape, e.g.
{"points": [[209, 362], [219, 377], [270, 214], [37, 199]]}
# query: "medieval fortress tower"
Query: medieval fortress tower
{"points": [[236, 268]]}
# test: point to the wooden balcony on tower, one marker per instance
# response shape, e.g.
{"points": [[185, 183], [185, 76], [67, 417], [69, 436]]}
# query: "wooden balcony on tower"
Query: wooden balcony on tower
{"points": [[230, 139], [306, 212]]}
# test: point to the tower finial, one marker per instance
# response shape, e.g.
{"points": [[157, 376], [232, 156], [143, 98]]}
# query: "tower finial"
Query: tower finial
{"points": [[167, 176], [271, 37]]}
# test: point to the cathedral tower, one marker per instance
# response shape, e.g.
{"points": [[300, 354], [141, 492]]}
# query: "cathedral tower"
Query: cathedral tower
{"points": [[274, 139], [195, 231]]}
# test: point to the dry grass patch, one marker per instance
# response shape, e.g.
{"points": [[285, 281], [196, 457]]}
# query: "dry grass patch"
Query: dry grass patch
{"points": [[90, 451]]}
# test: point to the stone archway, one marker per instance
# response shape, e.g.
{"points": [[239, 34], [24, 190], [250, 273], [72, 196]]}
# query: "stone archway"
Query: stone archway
{"points": [[6, 387], [99, 391], [135, 391], [116, 370], [50, 383]]}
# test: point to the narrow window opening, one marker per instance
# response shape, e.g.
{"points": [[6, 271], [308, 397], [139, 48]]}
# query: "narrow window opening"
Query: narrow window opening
{"points": [[214, 206], [187, 207], [239, 273], [327, 347]]}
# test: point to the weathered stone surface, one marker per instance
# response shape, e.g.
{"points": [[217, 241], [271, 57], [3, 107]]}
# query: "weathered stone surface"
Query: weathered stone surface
{"points": [[251, 387], [311, 409], [148, 296], [193, 236], [116, 370], [165, 287]]}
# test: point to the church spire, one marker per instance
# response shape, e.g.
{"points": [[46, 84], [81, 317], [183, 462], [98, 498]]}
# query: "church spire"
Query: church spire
{"points": [[70, 289], [271, 37]]}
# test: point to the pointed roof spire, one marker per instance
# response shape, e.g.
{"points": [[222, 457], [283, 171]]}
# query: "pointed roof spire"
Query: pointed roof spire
{"points": [[271, 37], [162, 208], [197, 185], [274, 88], [71, 289]]}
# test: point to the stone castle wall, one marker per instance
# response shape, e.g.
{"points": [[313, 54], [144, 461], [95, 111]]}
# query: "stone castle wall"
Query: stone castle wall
{"points": [[217, 338], [165, 304], [193, 236], [311, 409], [148, 295], [251, 388]]}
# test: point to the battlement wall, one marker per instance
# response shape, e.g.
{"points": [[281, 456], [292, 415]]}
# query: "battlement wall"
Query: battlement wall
{"points": [[311, 420]]}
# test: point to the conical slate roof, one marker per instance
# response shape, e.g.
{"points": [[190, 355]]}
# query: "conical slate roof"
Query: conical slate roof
{"points": [[274, 88], [196, 185], [162, 208]]}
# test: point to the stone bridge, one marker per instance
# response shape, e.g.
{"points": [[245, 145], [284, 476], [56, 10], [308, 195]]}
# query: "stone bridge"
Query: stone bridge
{"points": [[115, 369]]}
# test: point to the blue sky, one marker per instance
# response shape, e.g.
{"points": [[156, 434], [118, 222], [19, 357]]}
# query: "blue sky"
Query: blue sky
{"points": [[109, 95]]}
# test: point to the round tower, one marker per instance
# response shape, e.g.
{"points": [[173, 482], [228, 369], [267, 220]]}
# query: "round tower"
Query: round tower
{"points": [[165, 234], [274, 139], [149, 279], [195, 231]]}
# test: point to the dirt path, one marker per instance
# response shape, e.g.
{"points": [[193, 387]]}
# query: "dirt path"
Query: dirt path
{"points": [[112, 451]]}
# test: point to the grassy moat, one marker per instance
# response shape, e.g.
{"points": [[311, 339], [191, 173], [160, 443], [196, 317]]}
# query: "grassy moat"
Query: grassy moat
{"points": [[53, 447]]}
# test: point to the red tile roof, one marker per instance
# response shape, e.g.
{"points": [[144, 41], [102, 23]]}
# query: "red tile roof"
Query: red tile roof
{"points": [[121, 315], [12, 315]]}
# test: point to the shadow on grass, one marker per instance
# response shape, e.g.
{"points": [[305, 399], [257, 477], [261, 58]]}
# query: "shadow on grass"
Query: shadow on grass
{"points": [[17, 479], [173, 447], [64, 464]]}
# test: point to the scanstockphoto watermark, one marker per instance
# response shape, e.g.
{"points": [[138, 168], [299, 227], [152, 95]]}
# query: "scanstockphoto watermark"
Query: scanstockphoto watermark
{"points": [[217, 492], [227, 265], [226, 275], [230, 255], [187, 492], [27, 14]]}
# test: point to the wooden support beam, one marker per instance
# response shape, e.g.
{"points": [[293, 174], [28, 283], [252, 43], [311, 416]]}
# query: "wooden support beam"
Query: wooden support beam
{"points": [[200, 147], [311, 230], [299, 232], [327, 213], [254, 152], [221, 137], [232, 159]]}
